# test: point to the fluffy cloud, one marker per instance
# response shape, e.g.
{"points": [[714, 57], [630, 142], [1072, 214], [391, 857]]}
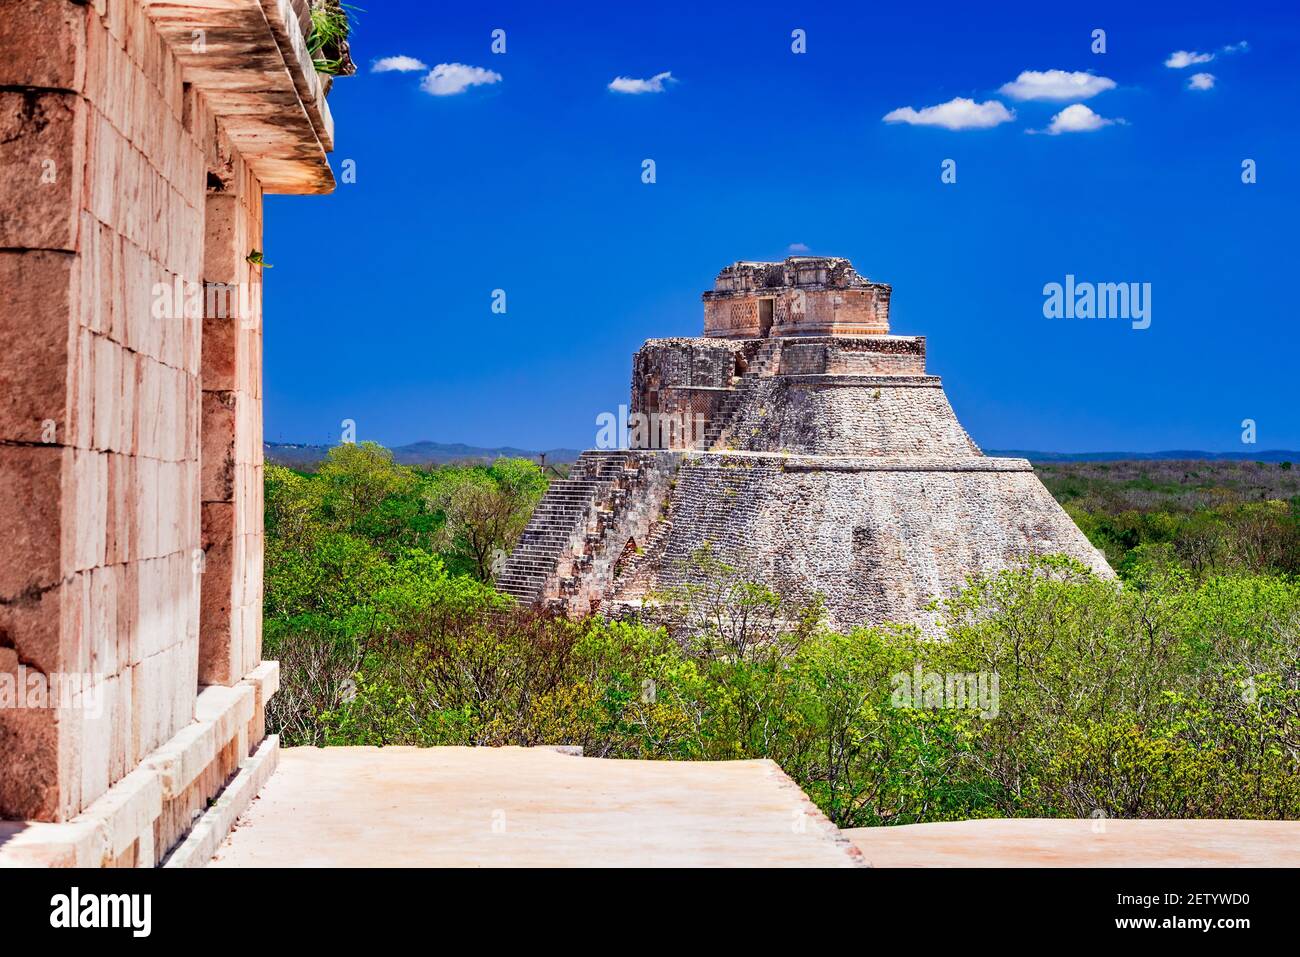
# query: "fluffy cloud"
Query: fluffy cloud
{"points": [[448, 79], [957, 114], [1077, 118], [1185, 58], [627, 84], [399, 64], [1181, 59], [1201, 81], [798, 249], [1056, 85]]}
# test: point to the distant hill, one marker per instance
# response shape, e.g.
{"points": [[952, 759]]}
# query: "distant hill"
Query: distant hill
{"points": [[1179, 455], [417, 453], [440, 453]]}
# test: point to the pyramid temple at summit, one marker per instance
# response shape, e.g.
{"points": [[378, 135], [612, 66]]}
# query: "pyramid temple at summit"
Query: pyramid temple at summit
{"points": [[803, 444]]}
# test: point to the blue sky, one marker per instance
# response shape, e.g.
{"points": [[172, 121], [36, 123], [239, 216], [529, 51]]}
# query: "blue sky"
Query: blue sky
{"points": [[379, 306]]}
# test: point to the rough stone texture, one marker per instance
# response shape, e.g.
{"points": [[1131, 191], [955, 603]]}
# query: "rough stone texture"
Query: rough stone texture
{"points": [[230, 617], [57, 61], [581, 532], [830, 463], [878, 538], [803, 296], [132, 168], [42, 138], [39, 290], [527, 807], [102, 442], [842, 415], [137, 821]]}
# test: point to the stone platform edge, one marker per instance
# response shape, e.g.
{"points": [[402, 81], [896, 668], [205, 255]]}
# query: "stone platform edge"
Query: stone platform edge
{"points": [[166, 798], [213, 827], [791, 462], [814, 817], [839, 380], [817, 463]]}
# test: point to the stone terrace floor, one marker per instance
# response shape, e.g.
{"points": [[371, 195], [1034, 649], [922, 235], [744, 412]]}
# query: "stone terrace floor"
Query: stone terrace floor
{"points": [[1073, 843], [491, 807]]}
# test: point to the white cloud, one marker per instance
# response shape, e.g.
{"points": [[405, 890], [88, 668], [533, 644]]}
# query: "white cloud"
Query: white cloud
{"points": [[957, 114], [1184, 58], [1180, 59], [1056, 85], [1077, 118], [448, 79], [399, 64], [798, 249], [1201, 81], [656, 83]]}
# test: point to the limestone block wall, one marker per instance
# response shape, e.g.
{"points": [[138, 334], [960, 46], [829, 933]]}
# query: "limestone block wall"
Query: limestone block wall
{"points": [[683, 384], [798, 312], [831, 311], [873, 355], [103, 187], [878, 538], [231, 615], [683, 419], [843, 415], [663, 364], [714, 363], [111, 377]]}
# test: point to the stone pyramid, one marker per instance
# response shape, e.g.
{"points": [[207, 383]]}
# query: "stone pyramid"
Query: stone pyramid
{"points": [[802, 443]]}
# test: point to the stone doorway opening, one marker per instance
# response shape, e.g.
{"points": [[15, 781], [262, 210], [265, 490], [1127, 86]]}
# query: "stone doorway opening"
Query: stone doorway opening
{"points": [[765, 308]]}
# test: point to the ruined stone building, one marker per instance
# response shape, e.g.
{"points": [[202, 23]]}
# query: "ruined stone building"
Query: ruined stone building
{"points": [[803, 443], [137, 138]]}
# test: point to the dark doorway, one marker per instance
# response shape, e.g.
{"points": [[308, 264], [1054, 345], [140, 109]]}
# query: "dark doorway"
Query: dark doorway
{"points": [[765, 317]]}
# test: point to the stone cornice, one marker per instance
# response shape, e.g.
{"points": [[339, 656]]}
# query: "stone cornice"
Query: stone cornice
{"points": [[835, 380], [796, 462], [250, 61]]}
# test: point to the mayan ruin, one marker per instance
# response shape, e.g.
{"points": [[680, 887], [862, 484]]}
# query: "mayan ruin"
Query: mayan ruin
{"points": [[138, 141], [830, 463], [629, 436]]}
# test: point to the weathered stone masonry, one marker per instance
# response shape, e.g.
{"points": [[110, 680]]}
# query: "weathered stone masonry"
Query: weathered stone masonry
{"points": [[136, 141], [831, 462]]}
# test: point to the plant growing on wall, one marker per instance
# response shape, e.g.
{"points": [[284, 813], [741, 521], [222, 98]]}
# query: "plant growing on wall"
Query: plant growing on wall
{"points": [[327, 39]]}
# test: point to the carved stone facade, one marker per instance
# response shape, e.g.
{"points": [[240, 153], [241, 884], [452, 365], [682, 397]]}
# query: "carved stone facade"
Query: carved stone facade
{"points": [[831, 462], [803, 296], [138, 139]]}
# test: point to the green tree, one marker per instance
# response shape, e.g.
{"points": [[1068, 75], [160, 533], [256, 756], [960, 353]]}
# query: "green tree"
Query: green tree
{"points": [[484, 511]]}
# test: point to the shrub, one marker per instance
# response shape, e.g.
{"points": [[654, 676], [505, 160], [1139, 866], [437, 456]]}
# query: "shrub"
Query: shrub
{"points": [[1174, 692], [1163, 698]]}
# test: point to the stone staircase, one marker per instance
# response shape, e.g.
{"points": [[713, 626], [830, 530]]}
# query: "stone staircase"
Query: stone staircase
{"points": [[570, 520], [762, 366], [562, 560]]}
